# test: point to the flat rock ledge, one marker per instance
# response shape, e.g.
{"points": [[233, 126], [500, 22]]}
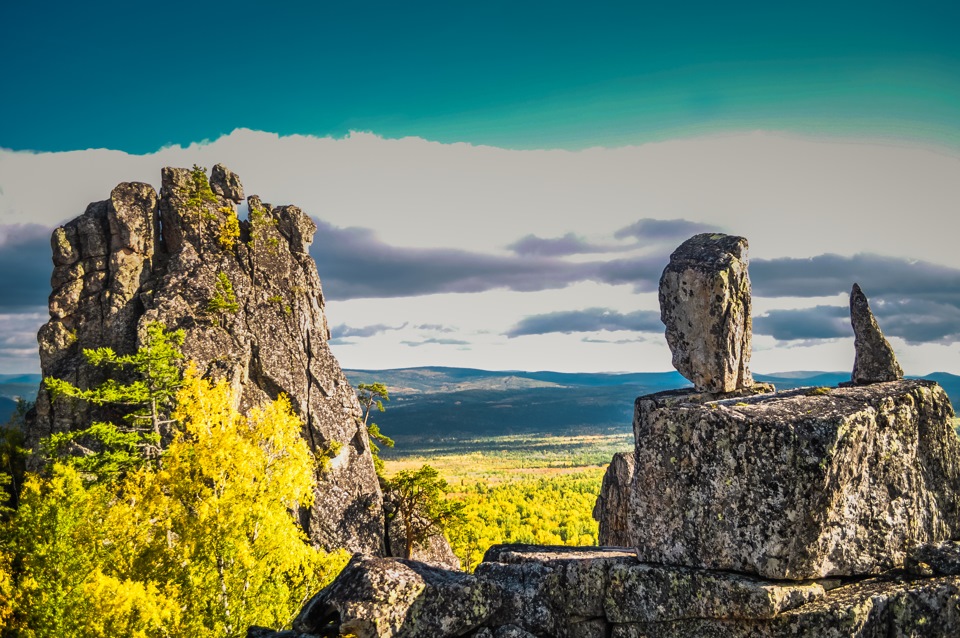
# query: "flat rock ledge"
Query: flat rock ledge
{"points": [[809, 483], [521, 591]]}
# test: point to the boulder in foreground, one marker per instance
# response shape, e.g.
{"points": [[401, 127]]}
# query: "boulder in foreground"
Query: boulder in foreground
{"points": [[802, 484]]}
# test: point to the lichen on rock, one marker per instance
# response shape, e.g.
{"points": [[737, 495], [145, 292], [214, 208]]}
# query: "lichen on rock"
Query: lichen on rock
{"points": [[794, 485], [705, 301]]}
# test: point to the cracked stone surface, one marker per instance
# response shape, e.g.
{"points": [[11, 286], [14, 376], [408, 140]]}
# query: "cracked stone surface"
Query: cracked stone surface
{"points": [[705, 305], [808, 483], [138, 257]]}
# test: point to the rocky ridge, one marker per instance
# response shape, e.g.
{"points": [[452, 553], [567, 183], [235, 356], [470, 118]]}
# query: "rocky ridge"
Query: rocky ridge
{"points": [[139, 257], [741, 512]]}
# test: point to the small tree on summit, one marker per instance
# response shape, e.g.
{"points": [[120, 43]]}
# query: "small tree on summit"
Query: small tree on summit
{"points": [[199, 196], [422, 505]]}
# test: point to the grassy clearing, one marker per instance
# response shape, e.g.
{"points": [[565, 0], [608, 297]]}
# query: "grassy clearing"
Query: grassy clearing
{"points": [[495, 459], [522, 488]]}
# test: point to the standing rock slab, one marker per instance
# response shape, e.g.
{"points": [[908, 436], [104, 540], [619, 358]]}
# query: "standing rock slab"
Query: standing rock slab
{"points": [[705, 305], [613, 503], [875, 361], [796, 485]]}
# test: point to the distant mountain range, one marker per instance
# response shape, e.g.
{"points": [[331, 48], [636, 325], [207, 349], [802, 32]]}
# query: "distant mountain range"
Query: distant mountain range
{"points": [[436, 401], [440, 402]]}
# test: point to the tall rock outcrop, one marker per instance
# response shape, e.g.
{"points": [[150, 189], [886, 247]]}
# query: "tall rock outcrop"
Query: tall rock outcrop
{"points": [[138, 257], [705, 305]]}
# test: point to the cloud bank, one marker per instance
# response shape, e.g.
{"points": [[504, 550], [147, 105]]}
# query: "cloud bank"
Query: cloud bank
{"points": [[405, 223]]}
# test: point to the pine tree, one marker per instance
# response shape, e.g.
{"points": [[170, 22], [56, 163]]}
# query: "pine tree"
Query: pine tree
{"points": [[224, 300], [200, 196], [147, 401], [422, 505], [372, 395]]}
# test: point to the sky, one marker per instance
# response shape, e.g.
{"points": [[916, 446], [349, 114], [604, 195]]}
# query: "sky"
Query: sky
{"points": [[499, 185]]}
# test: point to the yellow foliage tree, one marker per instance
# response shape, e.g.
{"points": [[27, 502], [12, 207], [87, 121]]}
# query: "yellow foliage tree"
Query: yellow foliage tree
{"points": [[542, 511], [230, 542], [204, 545]]}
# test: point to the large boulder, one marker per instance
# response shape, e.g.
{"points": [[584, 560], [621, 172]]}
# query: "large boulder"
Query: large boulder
{"points": [[395, 598], [802, 484], [705, 305], [137, 258], [874, 361], [524, 591]]}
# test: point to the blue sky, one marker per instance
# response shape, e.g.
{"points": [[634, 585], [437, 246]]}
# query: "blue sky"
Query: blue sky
{"points": [[135, 77], [495, 156]]}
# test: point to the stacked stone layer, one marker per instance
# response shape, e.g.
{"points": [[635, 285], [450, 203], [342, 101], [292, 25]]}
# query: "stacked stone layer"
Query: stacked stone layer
{"points": [[596, 592], [802, 484]]}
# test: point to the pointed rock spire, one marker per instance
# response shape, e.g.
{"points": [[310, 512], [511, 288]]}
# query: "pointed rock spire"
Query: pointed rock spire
{"points": [[875, 361]]}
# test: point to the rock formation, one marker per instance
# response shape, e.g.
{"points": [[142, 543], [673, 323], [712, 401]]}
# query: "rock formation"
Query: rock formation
{"points": [[799, 484], [613, 504], [139, 257], [595, 592], [874, 361], [705, 305], [819, 512]]}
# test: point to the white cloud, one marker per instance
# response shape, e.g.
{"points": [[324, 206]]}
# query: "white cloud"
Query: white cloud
{"points": [[18, 341]]}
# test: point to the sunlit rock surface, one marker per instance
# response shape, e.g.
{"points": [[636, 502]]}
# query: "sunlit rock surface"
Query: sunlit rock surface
{"points": [[705, 304], [139, 257]]}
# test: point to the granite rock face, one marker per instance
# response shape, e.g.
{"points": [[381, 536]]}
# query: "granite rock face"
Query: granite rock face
{"points": [[395, 598], [137, 258], [875, 361], [935, 559], [795, 485], [594, 592], [705, 304]]}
